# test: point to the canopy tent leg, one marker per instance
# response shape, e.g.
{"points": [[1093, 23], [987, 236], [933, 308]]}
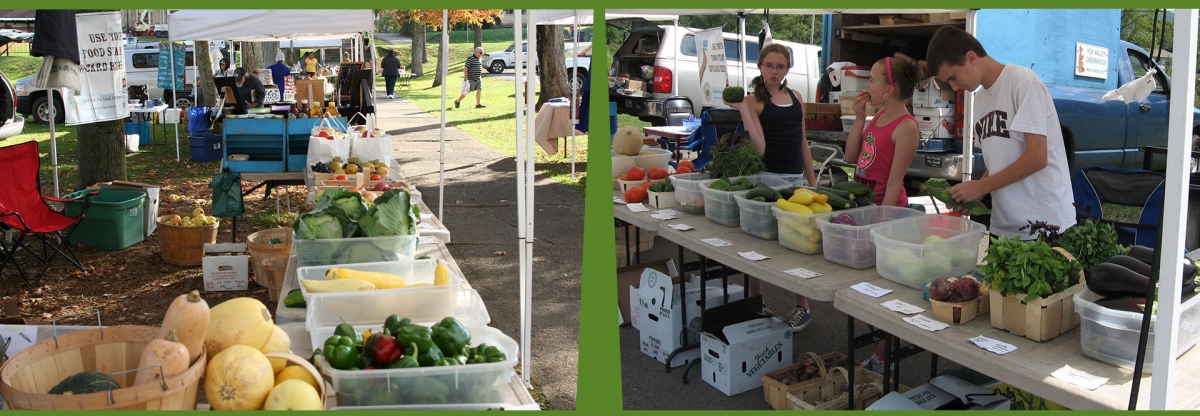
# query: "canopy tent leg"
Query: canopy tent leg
{"points": [[445, 52], [54, 143], [574, 91]]}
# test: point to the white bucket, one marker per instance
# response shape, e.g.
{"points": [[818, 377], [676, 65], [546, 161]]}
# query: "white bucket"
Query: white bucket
{"points": [[131, 142]]}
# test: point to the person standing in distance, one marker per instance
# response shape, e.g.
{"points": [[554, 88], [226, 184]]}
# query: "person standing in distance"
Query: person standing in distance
{"points": [[311, 64], [1017, 128], [279, 71], [472, 71], [391, 70]]}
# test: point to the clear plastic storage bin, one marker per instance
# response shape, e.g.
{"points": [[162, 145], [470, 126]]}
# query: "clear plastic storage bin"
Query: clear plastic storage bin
{"points": [[906, 251], [459, 384], [418, 274], [721, 208], [354, 250], [372, 308], [1111, 335], [799, 232], [687, 192], [851, 245], [757, 218]]}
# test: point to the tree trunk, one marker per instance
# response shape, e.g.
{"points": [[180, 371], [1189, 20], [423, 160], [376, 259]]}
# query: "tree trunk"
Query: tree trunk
{"points": [[269, 50], [101, 152], [252, 56], [418, 49], [437, 68], [204, 70], [478, 35], [552, 64]]}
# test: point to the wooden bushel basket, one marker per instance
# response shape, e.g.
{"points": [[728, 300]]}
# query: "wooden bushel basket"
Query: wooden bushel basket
{"points": [[295, 360], [830, 393], [184, 246], [1041, 319], [26, 378]]}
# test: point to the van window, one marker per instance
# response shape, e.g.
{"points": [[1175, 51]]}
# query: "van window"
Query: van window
{"points": [[145, 60], [1141, 65]]}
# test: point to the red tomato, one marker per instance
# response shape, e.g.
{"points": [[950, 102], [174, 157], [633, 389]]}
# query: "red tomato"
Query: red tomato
{"points": [[683, 169], [686, 163], [635, 195], [635, 174], [376, 178], [340, 177]]}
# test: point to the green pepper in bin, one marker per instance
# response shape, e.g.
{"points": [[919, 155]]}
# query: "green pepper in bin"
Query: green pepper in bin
{"points": [[392, 325], [408, 360], [446, 361], [429, 390], [347, 330], [429, 357], [341, 352], [485, 353], [415, 334], [451, 337]]}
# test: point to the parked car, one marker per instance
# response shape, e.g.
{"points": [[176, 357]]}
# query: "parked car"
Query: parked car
{"points": [[653, 46], [497, 62], [141, 68], [10, 123]]}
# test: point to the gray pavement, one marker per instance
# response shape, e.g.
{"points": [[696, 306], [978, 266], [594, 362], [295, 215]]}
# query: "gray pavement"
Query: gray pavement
{"points": [[480, 209], [647, 385]]}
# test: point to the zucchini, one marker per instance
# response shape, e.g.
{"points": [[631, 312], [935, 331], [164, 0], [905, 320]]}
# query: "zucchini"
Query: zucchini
{"points": [[862, 201], [837, 201], [856, 188], [838, 192], [1114, 280], [786, 193], [294, 299]]}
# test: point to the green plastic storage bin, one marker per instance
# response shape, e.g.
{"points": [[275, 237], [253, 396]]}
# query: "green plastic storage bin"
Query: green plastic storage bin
{"points": [[114, 220]]}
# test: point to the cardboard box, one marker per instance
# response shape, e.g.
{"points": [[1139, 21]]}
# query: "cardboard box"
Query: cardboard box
{"points": [[944, 393], [636, 85], [225, 267], [152, 199], [735, 359], [818, 116], [929, 94], [1022, 400], [312, 90], [661, 327], [847, 103], [627, 286], [935, 123]]}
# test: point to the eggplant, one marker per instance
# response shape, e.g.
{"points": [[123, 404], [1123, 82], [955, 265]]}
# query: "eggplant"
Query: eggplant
{"points": [[1146, 255], [1127, 304], [1114, 280], [1131, 263]]}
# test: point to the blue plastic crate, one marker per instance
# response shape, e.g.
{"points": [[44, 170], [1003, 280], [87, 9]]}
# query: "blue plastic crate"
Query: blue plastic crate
{"points": [[206, 149], [263, 140], [142, 129]]}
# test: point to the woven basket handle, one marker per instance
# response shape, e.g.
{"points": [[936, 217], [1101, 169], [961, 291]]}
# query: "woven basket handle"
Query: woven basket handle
{"points": [[300, 361], [820, 363]]}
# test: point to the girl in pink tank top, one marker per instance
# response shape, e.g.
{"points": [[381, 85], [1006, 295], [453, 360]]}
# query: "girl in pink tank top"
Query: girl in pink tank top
{"points": [[883, 147]]}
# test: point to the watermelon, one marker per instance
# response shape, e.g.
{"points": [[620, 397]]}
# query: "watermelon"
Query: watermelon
{"points": [[85, 382]]}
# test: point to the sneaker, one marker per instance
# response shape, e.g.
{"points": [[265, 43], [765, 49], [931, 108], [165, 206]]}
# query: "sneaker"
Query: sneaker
{"points": [[480, 106], [455, 104], [799, 318]]}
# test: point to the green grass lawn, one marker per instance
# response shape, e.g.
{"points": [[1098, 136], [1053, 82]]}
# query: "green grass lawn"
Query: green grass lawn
{"points": [[494, 125], [17, 67], [500, 35]]}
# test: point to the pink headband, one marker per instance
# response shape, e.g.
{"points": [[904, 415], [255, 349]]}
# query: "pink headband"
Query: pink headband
{"points": [[887, 63]]}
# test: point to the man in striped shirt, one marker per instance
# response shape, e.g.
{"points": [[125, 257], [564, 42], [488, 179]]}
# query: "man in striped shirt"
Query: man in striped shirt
{"points": [[471, 73]]}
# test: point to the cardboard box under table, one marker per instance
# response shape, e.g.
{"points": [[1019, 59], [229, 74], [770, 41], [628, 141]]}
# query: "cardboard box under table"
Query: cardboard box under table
{"points": [[944, 393], [660, 322], [739, 345], [628, 279]]}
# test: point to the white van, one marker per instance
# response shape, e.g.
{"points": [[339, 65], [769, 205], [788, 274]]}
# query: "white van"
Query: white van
{"points": [[650, 45]]}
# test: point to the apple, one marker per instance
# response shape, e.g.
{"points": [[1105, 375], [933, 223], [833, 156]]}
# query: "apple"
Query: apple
{"points": [[340, 177], [382, 187]]}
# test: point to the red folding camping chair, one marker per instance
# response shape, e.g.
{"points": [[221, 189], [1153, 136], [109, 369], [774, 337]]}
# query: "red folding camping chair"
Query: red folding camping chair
{"points": [[23, 208]]}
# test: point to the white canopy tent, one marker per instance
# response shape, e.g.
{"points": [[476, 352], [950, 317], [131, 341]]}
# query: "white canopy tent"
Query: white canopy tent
{"points": [[1176, 188]]}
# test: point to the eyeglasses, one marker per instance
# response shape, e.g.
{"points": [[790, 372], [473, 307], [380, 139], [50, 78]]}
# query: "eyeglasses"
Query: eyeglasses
{"points": [[775, 67]]}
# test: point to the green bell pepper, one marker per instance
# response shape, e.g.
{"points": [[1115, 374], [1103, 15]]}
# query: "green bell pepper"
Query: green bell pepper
{"points": [[341, 352], [451, 337], [347, 330], [392, 325], [407, 361], [485, 353], [428, 357], [428, 390], [446, 361], [415, 334]]}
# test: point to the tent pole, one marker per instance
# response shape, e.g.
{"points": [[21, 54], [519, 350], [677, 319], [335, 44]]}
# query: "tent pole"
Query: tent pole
{"points": [[675, 61], [445, 52], [175, 91], [574, 91], [519, 74], [530, 178], [742, 45], [968, 133], [1175, 196], [54, 141]]}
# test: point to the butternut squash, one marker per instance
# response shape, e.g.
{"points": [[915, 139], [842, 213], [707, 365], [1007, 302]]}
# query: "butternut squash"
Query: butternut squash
{"points": [[188, 318], [166, 352]]}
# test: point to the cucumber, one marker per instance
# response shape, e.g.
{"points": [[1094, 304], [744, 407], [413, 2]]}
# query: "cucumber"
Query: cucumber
{"points": [[786, 193], [294, 299], [862, 200], [856, 188], [836, 200]]}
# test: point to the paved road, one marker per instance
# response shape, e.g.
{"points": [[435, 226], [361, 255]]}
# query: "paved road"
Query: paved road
{"points": [[480, 210], [394, 38]]}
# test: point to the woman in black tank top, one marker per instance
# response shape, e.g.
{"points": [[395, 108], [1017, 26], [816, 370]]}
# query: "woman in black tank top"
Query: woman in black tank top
{"points": [[775, 121]]}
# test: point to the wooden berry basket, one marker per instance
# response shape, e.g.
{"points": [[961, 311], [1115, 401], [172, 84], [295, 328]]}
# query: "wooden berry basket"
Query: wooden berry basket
{"points": [[26, 378], [1041, 319], [830, 393], [775, 391], [184, 246]]}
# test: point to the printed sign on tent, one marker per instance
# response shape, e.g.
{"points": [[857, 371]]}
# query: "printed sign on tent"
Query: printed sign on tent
{"points": [[713, 77], [101, 71]]}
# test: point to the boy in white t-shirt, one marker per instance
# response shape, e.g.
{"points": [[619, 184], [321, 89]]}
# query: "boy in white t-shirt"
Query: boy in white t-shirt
{"points": [[1017, 128]]}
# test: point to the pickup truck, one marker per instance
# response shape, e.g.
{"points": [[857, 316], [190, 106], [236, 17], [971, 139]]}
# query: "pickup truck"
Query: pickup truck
{"points": [[497, 62], [1096, 132]]}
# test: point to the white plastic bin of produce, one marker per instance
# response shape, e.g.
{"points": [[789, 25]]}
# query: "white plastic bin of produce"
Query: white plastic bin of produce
{"points": [[902, 256], [757, 218], [649, 157], [720, 207], [368, 308], [1111, 335], [793, 179], [799, 232], [418, 274], [851, 245], [459, 384], [354, 250], [687, 192]]}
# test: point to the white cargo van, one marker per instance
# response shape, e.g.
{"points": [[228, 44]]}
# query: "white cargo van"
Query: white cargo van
{"points": [[650, 45]]}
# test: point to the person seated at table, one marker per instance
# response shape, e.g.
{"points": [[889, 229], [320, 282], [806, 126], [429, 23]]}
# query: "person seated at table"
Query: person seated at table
{"points": [[249, 88], [774, 119]]}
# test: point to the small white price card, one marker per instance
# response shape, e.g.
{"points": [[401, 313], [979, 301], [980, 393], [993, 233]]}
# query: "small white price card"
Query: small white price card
{"points": [[426, 226], [638, 207], [924, 322], [664, 217], [750, 255], [898, 305], [870, 289], [428, 240], [1079, 378], [802, 273], [992, 345], [680, 227], [716, 242], [668, 211], [618, 201]]}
